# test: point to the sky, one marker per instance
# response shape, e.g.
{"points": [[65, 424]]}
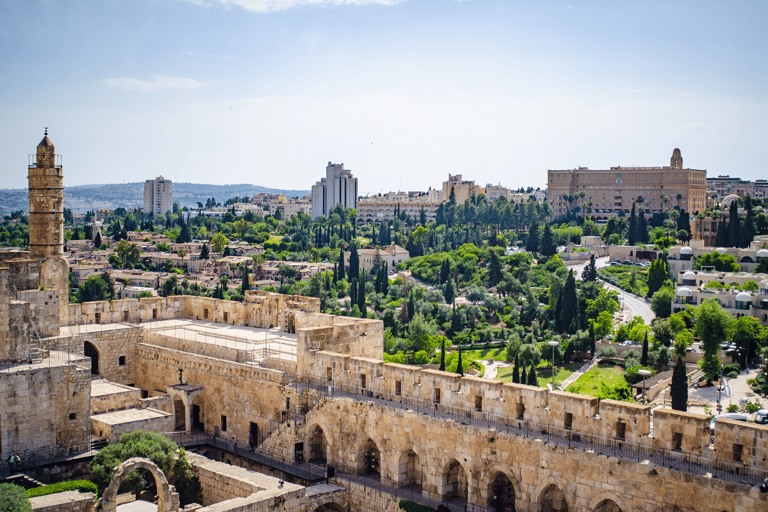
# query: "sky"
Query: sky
{"points": [[403, 92]]}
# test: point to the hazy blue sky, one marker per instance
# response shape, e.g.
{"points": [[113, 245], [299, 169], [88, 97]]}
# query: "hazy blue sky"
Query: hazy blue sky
{"points": [[402, 92]]}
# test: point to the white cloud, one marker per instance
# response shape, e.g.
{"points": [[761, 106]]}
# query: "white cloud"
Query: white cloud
{"points": [[157, 83], [265, 6]]}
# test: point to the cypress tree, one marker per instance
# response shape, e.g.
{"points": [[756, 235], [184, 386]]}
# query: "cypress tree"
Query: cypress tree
{"points": [[532, 379], [341, 265], [592, 339], [411, 306], [532, 240], [516, 370], [679, 387], [570, 306], [632, 231], [644, 357], [524, 376], [354, 263], [204, 252], [246, 280], [734, 226], [721, 239], [547, 246], [335, 272], [352, 290], [442, 355], [460, 365], [97, 241], [361, 298]]}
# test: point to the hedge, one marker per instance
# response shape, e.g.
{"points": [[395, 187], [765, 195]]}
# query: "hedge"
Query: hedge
{"points": [[72, 485], [412, 506]]}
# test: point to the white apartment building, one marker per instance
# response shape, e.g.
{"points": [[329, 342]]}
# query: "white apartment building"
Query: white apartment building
{"points": [[382, 207], [338, 187], [158, 196], [724, 186]]}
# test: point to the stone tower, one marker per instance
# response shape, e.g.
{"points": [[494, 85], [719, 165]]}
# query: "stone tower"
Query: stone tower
{"points": [[46, 203], [46, 222], [676, 162]]}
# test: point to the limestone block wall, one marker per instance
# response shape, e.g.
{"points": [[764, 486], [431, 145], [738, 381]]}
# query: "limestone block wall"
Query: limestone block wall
{"points": [[112, 432], [127, 310], [161, 403], [14, 331], [68, 501], [573, 411], [44, 408], [129, 397], [196, 347], [23, 272], [242, 393], [44, 310], [742, 442], [636, 419], [677, 430], [586, 479], [116, 346]]}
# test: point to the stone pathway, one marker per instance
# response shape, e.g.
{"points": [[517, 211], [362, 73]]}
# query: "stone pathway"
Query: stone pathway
{"points": [[572, 378]]}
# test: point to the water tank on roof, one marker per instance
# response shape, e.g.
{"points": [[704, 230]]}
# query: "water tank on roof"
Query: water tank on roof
{"points": [[689, 276], [762, 253], [721, 250], [683, 292], [688, 250], [744, 297]]}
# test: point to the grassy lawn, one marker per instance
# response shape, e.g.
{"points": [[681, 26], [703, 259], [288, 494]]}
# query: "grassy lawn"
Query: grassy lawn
{"points": [[498, 354], [589, 383], [621, 276], [543, 372]]}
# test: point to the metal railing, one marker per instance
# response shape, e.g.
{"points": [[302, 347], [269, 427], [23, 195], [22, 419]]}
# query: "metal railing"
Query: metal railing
{"points": [[723, 469]]}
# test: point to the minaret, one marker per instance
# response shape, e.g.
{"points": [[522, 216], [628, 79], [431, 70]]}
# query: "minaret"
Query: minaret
{"points": [[46, 203]]}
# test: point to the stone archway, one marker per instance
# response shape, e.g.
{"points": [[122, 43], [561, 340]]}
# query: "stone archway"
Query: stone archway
{"points": [[318, 446], [455, 482], [329, 507], [409, 471], [167, 498], [90, 350], [371, 459], [552, 499], [502, 493], [608, 502], [607, 506]]}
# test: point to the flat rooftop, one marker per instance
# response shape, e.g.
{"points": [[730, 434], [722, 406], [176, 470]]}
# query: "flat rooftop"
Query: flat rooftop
{"points": [[128, 416], [102, 387]]}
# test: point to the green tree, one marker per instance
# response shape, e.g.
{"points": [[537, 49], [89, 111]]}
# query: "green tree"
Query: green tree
{"points": [[354, 263], [442, 354], [661, 302], [218, 242], [547, 246], [460, 365], [532, 240], [570, 305], [644, 356], [13, 498], [155, 447], [93, 289], [516, 370], [361, 298], [532, 379], [712, 329], [679, 387], [721, 262], [590, 270], [128, 253], [744, 333], [204, 252], [341, 275]]}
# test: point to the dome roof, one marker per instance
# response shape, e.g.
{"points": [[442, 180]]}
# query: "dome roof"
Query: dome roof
{"points": [[721, 250], [744, 297], [729, 199], [689, 276], [683, 292], [762, 253], [688, 250], [46, 142]]}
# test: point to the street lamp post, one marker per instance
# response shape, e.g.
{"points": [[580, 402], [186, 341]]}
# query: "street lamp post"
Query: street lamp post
{"points": [[553, 344], [645, 374]]}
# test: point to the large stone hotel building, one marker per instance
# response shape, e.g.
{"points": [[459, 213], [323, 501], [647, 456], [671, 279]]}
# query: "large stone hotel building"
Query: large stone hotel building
{"points": [[613, 191]]}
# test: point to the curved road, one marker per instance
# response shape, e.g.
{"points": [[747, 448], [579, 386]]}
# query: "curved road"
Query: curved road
{"points": [[631, 305]]}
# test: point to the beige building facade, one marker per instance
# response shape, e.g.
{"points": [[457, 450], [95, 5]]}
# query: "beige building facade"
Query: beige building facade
{"points": [[462, 189], [614, 190], [158, 196]]}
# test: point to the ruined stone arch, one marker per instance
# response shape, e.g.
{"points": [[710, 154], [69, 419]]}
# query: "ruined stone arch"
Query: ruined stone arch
{"points": [[550, 496], [607, 502], [330, 507], [670, 508], [167, 499], [490, 478]]}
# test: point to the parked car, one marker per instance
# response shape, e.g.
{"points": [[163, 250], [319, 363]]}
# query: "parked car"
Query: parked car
{"points": [[727, 416], [627, 262], [761, 416]]}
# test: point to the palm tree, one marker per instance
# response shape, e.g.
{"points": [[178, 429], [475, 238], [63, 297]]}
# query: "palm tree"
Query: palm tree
{"points": [[678, 197], [182, 253]]}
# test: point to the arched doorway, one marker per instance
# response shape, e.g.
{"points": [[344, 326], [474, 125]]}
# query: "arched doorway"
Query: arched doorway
{"points": [[410, 470], [198, 414], [502, 494], [455, 483], [180, 415], [317, 445], [371, 458], [607, 506], [90, 350], [553, 500]]}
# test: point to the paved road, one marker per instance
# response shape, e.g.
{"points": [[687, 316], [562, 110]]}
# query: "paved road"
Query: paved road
{"points": [[632, 305]]}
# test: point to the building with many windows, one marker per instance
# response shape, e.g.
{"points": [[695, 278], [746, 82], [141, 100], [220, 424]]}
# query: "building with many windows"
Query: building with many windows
{"points": [[724, 186], [338, 187], [158, 196], [614, 190], [383, 207]]}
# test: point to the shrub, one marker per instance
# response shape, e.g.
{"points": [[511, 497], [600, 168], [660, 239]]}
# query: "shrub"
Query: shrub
{"points": [[733, 408], [411, 506], [607, 352], [731, 368], [72, 485], [14, 499], [632, 377]]}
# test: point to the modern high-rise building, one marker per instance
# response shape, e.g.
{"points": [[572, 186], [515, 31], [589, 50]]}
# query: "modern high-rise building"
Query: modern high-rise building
{"points": [[612, 191], [158, 196], [338, 187]]}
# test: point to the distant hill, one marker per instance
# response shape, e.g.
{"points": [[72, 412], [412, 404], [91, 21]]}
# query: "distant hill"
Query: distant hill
{"points": [[131, 195]]}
